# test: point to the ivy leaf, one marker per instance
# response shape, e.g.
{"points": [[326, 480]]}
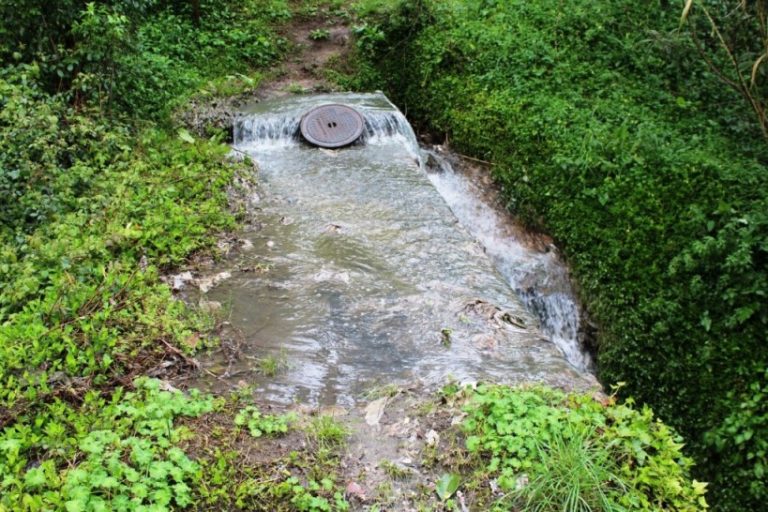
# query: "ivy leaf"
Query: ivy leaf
{"points": [[447, 485], [77, 505], [35, 477], [184, 135], [706, 321]]}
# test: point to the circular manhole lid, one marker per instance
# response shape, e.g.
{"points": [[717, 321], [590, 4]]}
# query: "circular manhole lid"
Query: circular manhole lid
{"points": [[332, 126]]}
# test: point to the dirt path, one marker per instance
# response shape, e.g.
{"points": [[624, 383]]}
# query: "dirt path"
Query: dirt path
{"points": [[316, 43]]}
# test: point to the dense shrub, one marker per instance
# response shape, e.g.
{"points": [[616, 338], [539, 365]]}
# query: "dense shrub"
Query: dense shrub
{"points": [[138, 57], [607, 130]]}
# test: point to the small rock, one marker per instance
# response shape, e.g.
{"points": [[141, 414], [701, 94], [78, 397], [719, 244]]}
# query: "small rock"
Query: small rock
{"points": [[206, 283], [224, 245], [330, 275], [432, 438], [485, 341], [209, 306], [374, 411], [246, 244], [354, 490], [180, 280], [270, 244], [458, 419], [167, 386]]}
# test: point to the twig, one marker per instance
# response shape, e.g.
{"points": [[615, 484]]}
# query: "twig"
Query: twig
{"points": [[478, 160]]}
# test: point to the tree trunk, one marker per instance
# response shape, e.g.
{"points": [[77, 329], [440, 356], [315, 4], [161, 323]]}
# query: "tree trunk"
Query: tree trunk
{"points": [[196, 11]]}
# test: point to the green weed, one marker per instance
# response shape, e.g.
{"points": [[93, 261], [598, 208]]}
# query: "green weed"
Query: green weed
{"points": [[295, 88], [576, 475], [394, 471], [320, 34], [273, 364], [552, 451], [259, 424], [445, 336], [117, 453], [326, 431]]}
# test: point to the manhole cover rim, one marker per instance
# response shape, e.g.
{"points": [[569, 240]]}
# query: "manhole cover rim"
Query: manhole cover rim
{"points": [[354, 135]]}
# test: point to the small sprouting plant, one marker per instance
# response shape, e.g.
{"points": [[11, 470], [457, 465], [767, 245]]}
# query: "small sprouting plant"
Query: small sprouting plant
{"points": [[271, 365], [394, 471], [295, 88], [387, 390], [320, 34], [311, 498], [327, 431], [259, 424], [445, 336]]}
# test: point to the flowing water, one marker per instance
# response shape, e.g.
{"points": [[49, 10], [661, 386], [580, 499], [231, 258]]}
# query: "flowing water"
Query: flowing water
{"points": [[533, 268], [357, 273]]}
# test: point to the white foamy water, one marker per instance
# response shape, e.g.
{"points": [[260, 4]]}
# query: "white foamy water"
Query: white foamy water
{"points": [[539, 277]]}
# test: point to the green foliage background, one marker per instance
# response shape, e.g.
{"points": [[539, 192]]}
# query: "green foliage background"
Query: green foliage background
{"points": [[607, 130], [99, 194], [643, 167]]}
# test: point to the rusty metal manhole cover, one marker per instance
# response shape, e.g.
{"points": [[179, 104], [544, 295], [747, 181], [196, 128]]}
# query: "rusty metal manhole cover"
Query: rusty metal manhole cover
{"points": [[332, 126]]}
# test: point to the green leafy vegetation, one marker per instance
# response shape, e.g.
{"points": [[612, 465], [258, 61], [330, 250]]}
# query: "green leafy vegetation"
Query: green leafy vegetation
{"points": [[263, 424], [290, 470], [551, 451], [140, 57], [124, 445], [609, 127], [539, 449], [320, 34], [273, 364], [447, 485], [99, 195], [325, 431]]}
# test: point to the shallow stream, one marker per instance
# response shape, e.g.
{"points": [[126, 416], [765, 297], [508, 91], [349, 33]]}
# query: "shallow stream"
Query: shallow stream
{"points": [[364, 267]]}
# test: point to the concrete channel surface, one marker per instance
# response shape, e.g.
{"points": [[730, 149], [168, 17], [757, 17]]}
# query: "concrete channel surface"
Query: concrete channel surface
{"points": [[357, 274]]}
